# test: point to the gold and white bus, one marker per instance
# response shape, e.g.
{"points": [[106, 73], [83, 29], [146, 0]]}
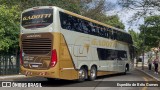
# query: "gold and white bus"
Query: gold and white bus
{"points": [[56, 43]]}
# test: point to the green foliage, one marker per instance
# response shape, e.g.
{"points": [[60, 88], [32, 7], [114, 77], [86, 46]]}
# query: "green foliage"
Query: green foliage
{"points": [[114, 21], [137, 41], [151, 31], [9, 28], [110, 20], [71, 5]]}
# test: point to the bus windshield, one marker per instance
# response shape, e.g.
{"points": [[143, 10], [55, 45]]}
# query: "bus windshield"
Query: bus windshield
{"points": [[37, 18]]}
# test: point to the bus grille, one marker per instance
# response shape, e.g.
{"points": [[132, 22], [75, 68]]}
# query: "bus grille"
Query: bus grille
{"points": [[36, 46]]}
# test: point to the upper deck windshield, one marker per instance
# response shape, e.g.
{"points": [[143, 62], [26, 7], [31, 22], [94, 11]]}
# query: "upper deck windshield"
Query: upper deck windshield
{"points": [[37, 18]]}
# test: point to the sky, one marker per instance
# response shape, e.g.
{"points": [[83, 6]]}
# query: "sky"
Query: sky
{"points": [[126, 15]]}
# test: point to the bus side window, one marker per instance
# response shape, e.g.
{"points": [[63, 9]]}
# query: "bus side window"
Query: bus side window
{"points": [[68, 23], [113, 54], [105, 33], [63, 19], [107, 54], [123, 37], [101, 31], [97, 31], [122, 55], [118, 35], [80, 29], [102, 53], [84, 27], [72, 23], [109, 33], [112, 32], [89, 27], [79, 26], [93, 30], [76, 26], [75, 23], [115, 35]]}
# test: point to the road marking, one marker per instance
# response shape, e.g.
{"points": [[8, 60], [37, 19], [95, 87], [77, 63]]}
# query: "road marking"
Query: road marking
{"points": [[149, 74], [145, 79]]}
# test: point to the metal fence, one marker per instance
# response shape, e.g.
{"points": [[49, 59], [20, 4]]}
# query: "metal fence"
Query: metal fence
{"points": [[9, 64]]}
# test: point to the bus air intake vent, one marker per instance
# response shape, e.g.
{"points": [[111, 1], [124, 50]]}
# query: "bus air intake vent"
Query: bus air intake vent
{"points": [[36, 46]]}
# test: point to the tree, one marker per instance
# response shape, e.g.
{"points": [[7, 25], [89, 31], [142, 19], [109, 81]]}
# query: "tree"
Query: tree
{"points": [[141, 3], [71, 5], [9, 28], [151, 31], [96, 9], [137, 41], [114, 21], [143, 7]]}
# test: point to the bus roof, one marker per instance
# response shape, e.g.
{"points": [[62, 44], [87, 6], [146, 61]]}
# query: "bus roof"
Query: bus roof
{"points": [[89, 19], [76, 15]]}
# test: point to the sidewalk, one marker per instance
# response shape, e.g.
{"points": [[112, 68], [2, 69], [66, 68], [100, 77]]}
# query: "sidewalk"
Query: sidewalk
{"points": [[11, 76], [149, 72]]}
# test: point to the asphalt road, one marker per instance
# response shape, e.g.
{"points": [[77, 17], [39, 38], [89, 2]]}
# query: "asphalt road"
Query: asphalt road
{"points": [[108, 82]]}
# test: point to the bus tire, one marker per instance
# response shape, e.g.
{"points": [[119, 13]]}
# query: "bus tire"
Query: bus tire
{"points": [[82, 74], [93, 73]]}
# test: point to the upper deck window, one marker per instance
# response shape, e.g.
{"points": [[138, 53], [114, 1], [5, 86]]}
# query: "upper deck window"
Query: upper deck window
{"points": [[77, 24], [37, 18]]}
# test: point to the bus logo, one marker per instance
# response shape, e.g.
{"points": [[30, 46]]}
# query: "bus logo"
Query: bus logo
{"points": [[31, 36]]}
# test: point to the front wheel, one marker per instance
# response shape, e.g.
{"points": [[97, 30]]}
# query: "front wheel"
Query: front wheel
{"points": [[82, 74], [93, 73]]}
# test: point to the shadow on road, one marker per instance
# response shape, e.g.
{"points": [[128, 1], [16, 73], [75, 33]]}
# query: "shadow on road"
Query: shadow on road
{"points": [[112, 75], [65, 83]]}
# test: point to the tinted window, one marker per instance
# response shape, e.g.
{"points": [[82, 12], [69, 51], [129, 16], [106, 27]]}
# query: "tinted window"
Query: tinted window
{"points": [[80, 25], [110, 54], [37, 18]]}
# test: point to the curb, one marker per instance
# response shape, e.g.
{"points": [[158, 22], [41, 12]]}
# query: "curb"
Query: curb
{"points": [[11, 76], [148, 74]]}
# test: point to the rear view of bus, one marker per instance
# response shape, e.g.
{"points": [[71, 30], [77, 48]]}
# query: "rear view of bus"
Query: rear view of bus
{"points": [[43, 50], [38, 50]]}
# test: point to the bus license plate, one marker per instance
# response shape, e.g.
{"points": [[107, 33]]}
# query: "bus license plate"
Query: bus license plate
{"points": [[34, 66]]}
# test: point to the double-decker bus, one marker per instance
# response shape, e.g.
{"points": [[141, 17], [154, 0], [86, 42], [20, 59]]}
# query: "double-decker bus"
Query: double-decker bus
{"points": [[56, 43]]}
